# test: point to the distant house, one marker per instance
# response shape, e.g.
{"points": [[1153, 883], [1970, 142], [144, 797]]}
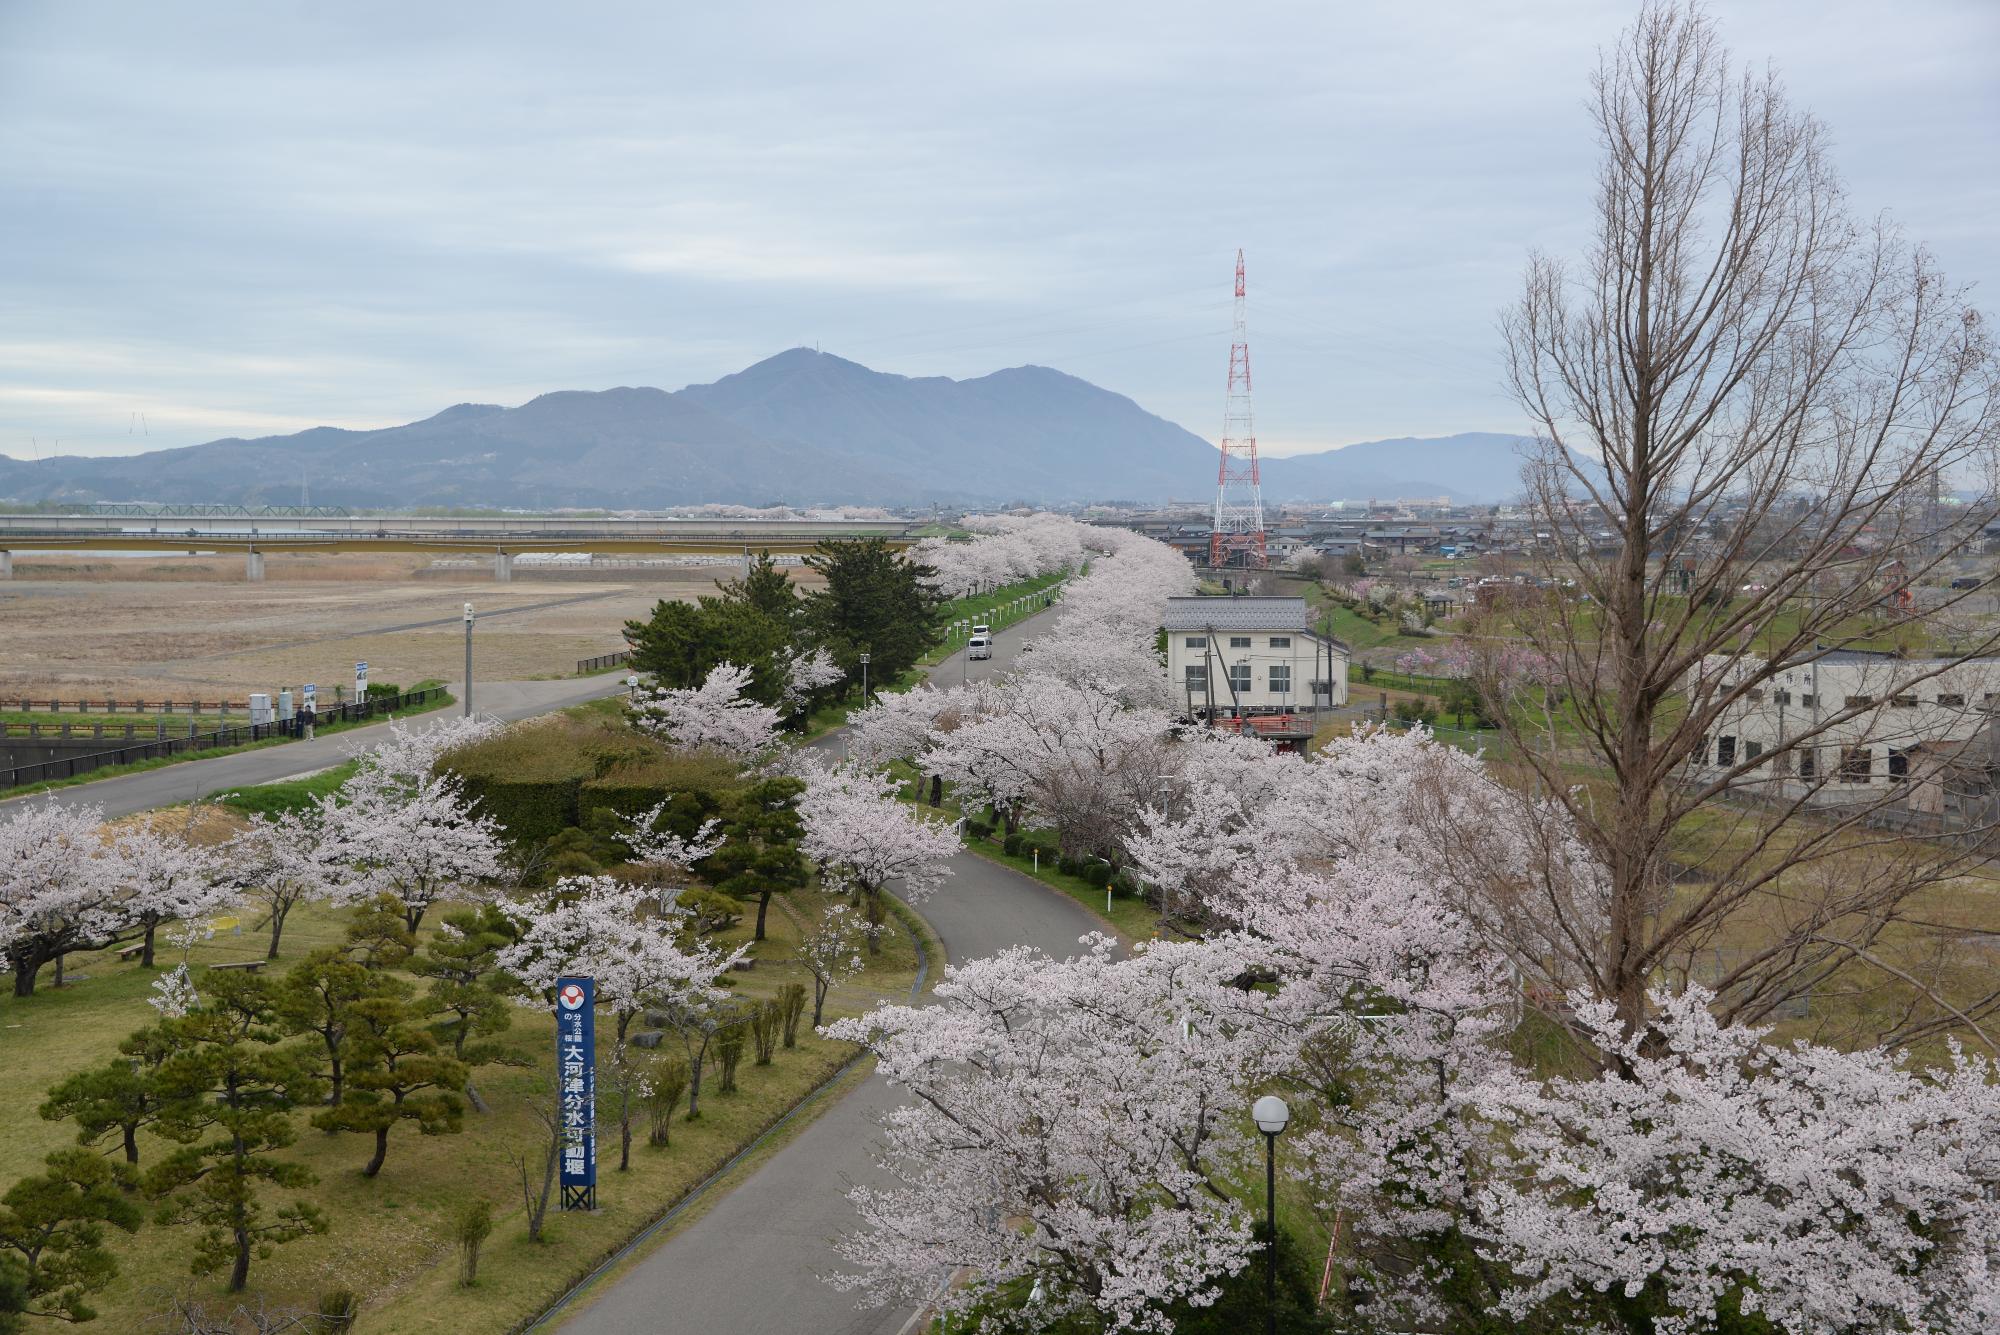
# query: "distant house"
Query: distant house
{"points": [[1253, 664]]}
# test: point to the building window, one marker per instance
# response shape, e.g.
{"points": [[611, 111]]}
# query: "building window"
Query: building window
{"points": [[1808, 763], [1197, 678], [1195, 641], [1951, 700], [1322, 690], [1809, 701], [1751, 750], [1859, 701], [1781, 763], [1903, 702], [1239, 642], [1756, 694], [1784, 698], [1856, 763], [1281, 679], [1281, 641], [1899, 764], [1239, 678], [1725, 750]]}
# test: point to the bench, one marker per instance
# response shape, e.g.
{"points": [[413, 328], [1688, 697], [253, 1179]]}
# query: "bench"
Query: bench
{"points": [[132, 952], [248, 966]]}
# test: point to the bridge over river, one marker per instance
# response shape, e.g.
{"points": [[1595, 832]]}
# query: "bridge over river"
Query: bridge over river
{"points": [[210, 529]]}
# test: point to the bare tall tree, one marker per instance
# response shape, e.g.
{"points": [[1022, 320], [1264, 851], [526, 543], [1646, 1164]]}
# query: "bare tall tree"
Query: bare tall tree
{"points": [[1783, 399]]}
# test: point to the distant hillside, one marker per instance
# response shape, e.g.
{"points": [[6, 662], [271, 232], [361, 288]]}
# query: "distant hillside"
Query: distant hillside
{"points": [[1475, 467], [801, 427]]}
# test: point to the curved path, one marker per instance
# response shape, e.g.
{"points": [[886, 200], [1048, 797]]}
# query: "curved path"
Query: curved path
{"points": [[192, 779], [752, 1262]]}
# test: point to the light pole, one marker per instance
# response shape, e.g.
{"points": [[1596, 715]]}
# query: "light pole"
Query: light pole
{"points": [[468, 660], [1272, 1117], [864, 680]]}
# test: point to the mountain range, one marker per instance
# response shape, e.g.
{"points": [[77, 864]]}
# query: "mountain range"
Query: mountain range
{"points": [[803, 427]]}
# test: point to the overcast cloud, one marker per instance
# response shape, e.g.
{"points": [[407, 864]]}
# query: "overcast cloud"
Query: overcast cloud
{"points": [[241, 219]]}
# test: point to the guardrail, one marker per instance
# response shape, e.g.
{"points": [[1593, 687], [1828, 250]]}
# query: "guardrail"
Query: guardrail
{"points": [[184, 707], [603, 661], [68, 767]]}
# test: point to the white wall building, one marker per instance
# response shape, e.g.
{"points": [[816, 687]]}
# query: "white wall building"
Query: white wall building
{"points": [[1238, 657], [1911, 717]]}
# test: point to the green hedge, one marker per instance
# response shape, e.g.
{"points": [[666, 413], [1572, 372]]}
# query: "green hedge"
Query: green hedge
{"points": [[543, 778], [530, 810]]}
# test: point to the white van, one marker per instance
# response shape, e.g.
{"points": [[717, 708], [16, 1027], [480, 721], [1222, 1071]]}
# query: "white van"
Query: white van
{"points": [[979, 646], [981, 628]]}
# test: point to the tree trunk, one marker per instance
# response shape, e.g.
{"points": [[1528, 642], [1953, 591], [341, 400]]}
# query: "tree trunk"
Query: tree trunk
{"points": [[381, 1152], [871, 907], [277, 929], [239, 1273], [131, 1143], [819, 1000], [763, 907], [472, 1097], [624, 1140], [25, 969], [937, 790], [146, 951], [694, 1086]]}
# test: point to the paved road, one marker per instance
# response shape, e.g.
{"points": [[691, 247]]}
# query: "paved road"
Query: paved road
{"points": [[198, 778], [752, 1263]]}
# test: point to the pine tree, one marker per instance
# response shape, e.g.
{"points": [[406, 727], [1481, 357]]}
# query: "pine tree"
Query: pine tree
{"points": [[396, 1073]]}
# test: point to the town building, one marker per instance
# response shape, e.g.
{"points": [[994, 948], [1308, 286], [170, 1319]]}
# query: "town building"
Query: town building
{"points": [[1922, 725], [1254, 664]]}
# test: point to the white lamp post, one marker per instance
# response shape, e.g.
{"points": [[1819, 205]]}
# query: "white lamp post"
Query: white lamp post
{"points": [[1272, 1116], [468, 660]]}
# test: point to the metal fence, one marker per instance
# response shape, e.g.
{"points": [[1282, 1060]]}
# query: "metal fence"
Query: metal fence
{"points": [[67, 767], [182, 707], [603, 661]]}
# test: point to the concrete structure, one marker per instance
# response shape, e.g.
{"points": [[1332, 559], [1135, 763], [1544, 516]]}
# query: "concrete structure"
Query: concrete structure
{"points": [[1254, 662], [253, 567], [1921, 724]]}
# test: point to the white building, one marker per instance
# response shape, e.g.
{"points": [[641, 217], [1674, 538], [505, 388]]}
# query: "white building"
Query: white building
{"points": [[1252, 659], [1912, 719]]}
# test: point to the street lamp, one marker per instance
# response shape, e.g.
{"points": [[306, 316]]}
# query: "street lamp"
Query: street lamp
{"points": [[1272, 1117], [864, 681], [468, 660]]}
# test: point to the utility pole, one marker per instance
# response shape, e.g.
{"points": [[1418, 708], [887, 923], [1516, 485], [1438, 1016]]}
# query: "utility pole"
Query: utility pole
{"points": [[468, 660]]}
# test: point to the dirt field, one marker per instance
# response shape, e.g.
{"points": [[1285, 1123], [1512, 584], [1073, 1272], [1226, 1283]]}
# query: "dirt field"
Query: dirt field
{"points": [[194, 628]]}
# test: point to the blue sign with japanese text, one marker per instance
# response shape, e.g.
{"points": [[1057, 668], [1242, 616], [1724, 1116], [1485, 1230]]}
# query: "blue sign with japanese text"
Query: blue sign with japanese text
{"points": [[576, 1086]]}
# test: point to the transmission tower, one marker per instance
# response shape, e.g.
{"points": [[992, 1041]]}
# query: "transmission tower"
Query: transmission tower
{"points": [[1238, 535]]}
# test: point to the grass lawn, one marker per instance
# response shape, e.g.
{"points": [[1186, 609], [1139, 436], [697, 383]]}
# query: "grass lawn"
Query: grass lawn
{"points": [[386, 1240]]}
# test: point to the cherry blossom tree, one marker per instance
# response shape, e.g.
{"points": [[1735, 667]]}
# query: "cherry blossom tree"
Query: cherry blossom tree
{"points": [[164, 876], [1073, 1127], [716, 715], [1075, 756], [806, 672], [862, 838], [415, 836], [1712, 1170], [281, 861], [830, 951], [599, 927], [910, 725], [666, 856], [58, 888]]}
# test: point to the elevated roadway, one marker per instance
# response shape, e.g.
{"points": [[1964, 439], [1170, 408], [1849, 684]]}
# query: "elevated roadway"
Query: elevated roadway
{"points": [[499, 536]]}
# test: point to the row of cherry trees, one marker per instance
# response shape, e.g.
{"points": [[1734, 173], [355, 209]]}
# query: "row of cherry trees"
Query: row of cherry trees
{"points": [[1365, 928]]}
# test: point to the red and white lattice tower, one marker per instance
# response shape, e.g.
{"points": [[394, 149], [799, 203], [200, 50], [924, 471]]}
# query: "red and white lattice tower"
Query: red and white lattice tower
{"points": [[1238, 536]]}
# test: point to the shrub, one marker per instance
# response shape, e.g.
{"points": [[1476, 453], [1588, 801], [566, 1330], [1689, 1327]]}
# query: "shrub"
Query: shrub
{"points": [[728, 1053], [338, 1309], [666, 1082], [1012, 844], [471, 1225], [792, 1005], [1098, 874], [766, 1023], [1072, 866]]}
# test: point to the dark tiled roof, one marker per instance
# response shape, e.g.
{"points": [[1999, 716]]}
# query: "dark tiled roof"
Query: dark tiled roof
{"points": [[1282, 614]]}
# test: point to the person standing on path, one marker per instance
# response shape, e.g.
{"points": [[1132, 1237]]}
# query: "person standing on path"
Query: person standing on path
{"points": [[306, 718]]}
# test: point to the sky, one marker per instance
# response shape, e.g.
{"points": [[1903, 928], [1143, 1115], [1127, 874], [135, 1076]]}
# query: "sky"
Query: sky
{"points": [[250, 218]]}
